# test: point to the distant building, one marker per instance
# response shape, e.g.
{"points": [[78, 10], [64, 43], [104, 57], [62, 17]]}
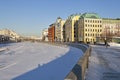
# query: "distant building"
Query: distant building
{"points": [[51, 33], [45, 35], [69, 27], [11, 34], [111, 27], [89, 28], [59, 29], [4, 38]]}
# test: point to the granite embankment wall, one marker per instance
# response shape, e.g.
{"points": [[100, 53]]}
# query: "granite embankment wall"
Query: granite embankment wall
{"points": [[79, 70]]}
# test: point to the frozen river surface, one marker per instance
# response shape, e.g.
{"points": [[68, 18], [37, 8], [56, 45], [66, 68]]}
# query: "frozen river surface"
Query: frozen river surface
{"points": [[36, 61]]}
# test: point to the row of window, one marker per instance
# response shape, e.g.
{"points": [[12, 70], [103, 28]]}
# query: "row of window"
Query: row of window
{"points": [[93, 30], [93, 21], [87, 25], [87, 40], [94, 35]]}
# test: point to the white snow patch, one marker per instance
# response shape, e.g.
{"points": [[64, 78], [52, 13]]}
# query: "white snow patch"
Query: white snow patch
{"points": [[114, 44]]}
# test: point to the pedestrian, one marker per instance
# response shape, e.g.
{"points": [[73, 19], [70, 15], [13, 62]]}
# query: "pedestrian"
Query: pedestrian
{"points": [[106, 46]]}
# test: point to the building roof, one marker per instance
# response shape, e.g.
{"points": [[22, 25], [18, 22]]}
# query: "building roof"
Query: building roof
{"points": [[59, 17], [51, 25], [111, 19], [73, 15], [90, 15]]}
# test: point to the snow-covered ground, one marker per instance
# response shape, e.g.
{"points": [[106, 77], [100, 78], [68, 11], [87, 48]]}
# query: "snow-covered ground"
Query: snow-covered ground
{"points": [[36, 61], [114, 44], [104, 63]]}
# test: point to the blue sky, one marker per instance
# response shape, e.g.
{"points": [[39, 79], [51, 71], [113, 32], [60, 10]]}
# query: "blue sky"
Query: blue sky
{"points": [[29, 17]]}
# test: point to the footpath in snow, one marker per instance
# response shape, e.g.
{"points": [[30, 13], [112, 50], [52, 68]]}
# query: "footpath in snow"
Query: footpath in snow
{"points": [[104, 63], [37, 61]]}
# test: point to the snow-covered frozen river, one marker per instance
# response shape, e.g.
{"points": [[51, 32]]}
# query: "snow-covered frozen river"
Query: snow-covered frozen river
{"points": [[36, 61]]}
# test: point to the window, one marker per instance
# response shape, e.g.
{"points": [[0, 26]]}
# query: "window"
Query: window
{"points": [[96, 35], [91, 34], [88, 34], [91, 21]]}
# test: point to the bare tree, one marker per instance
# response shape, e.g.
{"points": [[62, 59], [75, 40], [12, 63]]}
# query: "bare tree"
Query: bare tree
{"points": [[107, 35], [118, 30]]}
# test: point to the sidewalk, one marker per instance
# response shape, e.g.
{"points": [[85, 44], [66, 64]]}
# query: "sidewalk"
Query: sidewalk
{"points": [[104, 63]]}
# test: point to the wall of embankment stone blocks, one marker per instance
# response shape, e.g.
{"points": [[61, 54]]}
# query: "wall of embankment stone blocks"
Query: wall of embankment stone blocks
{"points": [[79, 70]]}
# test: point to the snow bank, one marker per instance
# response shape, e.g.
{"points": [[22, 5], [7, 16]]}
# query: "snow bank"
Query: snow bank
{"points": [[3, 49], [114, 44]]}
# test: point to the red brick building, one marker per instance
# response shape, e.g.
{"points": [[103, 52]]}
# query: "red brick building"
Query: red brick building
{"points": [[51, 33]]}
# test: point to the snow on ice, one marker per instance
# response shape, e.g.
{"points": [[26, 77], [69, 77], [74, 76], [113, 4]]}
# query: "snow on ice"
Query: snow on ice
{"points": [[36, 61]]}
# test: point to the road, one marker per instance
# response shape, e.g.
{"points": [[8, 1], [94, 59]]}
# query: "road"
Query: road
{"points": [[104, 63]]}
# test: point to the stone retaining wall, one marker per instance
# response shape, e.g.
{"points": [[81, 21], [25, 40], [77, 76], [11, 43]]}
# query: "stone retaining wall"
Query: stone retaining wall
{"points": [[78, 71]]}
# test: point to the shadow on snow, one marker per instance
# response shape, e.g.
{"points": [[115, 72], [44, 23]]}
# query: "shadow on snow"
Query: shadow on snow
{"points": [[54, 70]]}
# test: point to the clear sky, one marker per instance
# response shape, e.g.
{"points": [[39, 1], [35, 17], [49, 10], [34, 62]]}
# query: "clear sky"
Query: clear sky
{"points": [[29, 17]]}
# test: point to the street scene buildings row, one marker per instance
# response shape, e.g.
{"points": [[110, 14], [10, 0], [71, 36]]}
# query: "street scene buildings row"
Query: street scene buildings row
{"points": [[87, 28], [7, 35]]}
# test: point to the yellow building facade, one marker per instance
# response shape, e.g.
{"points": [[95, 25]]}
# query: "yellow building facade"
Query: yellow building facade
{"points": [[89, 28], [69, 27]]}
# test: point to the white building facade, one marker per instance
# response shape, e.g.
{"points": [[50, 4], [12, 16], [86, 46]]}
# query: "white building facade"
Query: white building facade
{"points": [[59, 29]]}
